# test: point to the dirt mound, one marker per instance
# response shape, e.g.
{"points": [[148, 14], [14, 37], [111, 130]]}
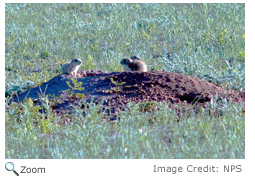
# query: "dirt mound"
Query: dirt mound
{"points": [[138, 87]]}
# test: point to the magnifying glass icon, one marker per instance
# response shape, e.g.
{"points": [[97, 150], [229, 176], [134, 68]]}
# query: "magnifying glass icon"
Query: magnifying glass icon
{"points": [[10, 167]]}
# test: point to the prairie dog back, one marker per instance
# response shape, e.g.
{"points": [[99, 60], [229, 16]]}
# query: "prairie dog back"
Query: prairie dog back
{"points": [[138, 65]]}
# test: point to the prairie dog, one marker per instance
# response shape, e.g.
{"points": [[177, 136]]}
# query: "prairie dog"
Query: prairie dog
{"points": [[133, 65], [136, 57], [72, 67]]}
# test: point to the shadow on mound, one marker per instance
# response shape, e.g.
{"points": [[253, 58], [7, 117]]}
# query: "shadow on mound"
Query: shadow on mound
{"points": [[157, 86]]}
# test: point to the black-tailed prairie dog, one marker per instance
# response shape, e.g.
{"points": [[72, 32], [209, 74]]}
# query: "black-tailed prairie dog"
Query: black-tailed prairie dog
{"points": [[136, 57], [133, 65], [72, 67]]}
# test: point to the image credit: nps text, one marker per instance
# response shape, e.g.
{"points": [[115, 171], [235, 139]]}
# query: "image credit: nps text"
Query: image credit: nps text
{"points": [[197, 169]]}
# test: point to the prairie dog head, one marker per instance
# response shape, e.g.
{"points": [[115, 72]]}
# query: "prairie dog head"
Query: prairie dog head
{"points": [[135, 57], [76, 61], [125, 62]]}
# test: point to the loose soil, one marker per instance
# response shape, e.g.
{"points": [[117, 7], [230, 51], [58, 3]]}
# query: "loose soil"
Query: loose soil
{"points": [[150, 86]]}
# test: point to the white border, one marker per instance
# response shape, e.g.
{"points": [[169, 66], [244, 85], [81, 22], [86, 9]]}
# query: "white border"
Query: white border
{"points": [[142, 169]]}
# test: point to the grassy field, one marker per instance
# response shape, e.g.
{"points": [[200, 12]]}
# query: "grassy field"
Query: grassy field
{"points": [[206, 41]]}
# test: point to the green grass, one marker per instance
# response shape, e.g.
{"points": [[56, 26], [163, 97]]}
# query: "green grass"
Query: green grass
{"points": [[202, 40]]}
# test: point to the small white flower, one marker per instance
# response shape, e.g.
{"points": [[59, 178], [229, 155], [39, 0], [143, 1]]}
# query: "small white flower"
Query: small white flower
{"points": [[140, 130]]}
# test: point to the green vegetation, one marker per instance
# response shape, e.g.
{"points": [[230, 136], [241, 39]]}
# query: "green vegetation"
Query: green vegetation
{"points": [[202, 40], [76, 86], [117, 84]]}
